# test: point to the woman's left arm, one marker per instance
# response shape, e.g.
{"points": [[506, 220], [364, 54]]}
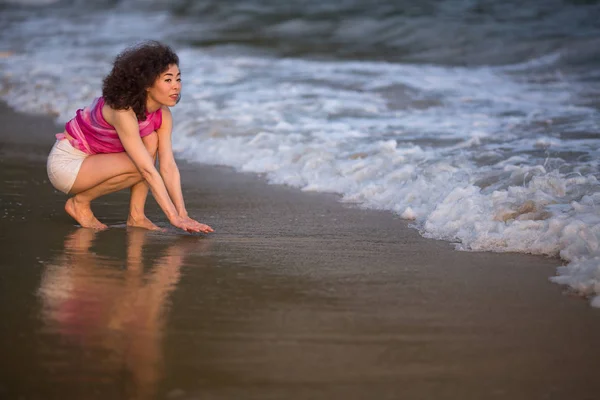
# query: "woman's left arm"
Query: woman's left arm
{"points": [[167, 165]]}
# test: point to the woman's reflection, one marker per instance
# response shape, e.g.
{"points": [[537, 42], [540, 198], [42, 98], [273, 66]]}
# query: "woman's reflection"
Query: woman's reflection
{"points": [[115, 314]]}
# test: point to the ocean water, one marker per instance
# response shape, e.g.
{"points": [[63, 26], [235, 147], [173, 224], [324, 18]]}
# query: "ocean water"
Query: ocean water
{"points": [[477, 120]]}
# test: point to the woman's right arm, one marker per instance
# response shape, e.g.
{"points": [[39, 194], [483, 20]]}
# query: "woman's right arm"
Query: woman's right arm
{"points": [[126, 125]]}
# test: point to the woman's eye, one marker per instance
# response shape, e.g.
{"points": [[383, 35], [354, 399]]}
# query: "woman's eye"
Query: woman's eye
{"points": [[168, 80]]}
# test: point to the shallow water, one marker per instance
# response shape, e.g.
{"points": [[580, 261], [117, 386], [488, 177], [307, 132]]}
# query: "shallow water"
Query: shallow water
{"points": [[294, 297]]}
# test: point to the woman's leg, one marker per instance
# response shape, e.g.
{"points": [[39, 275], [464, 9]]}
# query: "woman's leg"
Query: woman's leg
{"points": [[139, 191], [100, 174]]}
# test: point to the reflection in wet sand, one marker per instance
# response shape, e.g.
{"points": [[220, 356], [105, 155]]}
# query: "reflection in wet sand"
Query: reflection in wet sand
{"points": [[113, 316]]}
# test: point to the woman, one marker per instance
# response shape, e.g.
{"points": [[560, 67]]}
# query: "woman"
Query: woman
{"points": [[113, 144]]}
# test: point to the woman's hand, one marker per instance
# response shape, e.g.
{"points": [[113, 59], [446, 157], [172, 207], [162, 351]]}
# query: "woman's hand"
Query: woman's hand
{"points": [[190, 225], [202, 227]]}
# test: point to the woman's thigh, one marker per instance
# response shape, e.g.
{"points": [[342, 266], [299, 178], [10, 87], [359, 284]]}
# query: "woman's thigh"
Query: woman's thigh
{"points": [[99, 168]]}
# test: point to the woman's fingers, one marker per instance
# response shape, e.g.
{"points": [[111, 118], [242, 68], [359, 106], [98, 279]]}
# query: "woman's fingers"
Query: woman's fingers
{"points": [[206, 229], [183, 224], [202, 227], [190, 225]]}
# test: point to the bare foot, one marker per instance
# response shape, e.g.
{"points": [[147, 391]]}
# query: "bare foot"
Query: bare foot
{"points": [[82, 213], [143, 222]]}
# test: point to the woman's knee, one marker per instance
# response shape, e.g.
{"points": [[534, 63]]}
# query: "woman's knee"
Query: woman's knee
{"points": [[151, 143]]}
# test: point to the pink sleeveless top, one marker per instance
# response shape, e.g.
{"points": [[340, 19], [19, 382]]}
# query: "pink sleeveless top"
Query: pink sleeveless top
{"points": [[93, 135]]}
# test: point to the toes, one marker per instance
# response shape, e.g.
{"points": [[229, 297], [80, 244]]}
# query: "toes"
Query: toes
{"points": [[99, 225]]}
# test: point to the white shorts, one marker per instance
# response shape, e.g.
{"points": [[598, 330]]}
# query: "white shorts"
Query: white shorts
{"points": [[63, 165]]}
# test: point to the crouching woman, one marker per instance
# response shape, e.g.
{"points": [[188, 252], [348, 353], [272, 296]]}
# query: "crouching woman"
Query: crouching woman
{"points": [[113, 143]]}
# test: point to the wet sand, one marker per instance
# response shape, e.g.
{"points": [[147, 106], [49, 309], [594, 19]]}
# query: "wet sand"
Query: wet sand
{"points": [[296, 296]]}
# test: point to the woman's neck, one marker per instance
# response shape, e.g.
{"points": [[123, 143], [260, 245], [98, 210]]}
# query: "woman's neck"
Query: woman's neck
{"points": [[152, 105]]}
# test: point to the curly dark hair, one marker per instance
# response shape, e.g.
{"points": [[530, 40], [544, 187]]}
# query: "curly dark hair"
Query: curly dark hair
{"points": [[135, 70]]}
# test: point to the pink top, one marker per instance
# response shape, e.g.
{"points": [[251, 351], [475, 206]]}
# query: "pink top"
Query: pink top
{"points": [[93, 135]]}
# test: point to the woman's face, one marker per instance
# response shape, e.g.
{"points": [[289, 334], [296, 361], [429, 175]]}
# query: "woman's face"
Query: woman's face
{"points": [[165, 90]]}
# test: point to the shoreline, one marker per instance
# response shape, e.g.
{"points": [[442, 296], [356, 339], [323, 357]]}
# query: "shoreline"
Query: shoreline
{"points": [[295, 296]]}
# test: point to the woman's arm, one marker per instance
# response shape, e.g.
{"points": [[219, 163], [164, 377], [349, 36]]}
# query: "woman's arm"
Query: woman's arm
{"points": [[167, 165], [168, 168], [126, 125]]}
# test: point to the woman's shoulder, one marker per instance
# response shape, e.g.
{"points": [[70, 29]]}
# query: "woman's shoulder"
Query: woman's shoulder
{"points": [[110, 112], [112, 115]]}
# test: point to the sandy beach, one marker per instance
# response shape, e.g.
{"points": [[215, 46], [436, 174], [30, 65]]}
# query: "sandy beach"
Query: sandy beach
{"points": [[296, 296]]}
